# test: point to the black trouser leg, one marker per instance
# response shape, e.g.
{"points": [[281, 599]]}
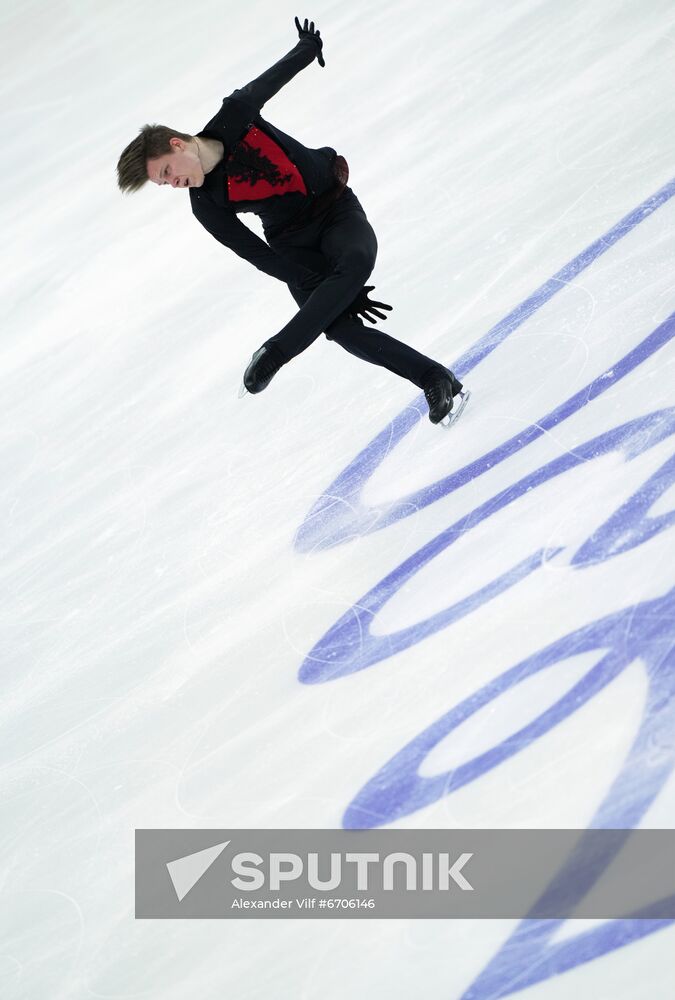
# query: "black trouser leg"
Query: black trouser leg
{"points": [[347, 240], [326, 248], [370, 344]]}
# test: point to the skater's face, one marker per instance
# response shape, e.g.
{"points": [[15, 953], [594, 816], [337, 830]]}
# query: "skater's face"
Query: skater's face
{"points": [[180, 168]]}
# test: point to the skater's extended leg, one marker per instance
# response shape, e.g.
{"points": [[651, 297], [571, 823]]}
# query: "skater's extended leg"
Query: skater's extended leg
{"points": [[371, 344]]}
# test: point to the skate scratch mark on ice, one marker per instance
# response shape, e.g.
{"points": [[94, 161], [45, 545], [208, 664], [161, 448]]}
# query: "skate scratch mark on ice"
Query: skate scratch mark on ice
{"points": [[528, 246]]}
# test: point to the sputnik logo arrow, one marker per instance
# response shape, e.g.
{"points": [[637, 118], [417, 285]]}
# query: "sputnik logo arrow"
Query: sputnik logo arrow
{"points": [[186, 872]]}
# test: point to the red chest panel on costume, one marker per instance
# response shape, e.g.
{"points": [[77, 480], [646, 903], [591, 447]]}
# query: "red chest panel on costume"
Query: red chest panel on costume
{"points": [[258, 168]]}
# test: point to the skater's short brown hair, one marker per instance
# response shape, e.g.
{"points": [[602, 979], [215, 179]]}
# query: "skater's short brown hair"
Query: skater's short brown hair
{"points": [[152, 142]]}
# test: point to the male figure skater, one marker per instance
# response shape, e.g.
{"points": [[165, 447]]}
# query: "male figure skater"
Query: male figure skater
{"points": [[319, 241]]}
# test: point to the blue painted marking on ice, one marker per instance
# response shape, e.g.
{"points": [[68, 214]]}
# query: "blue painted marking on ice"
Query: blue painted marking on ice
{"points": [[397, 790], [349, 645], [643, 631], [529, 955]]}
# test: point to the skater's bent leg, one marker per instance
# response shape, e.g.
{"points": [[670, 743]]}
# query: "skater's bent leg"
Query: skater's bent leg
{"points": [[350, 247]]}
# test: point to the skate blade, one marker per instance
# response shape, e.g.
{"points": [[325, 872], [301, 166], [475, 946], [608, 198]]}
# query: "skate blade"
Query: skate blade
{"points": [[243, 391], [457, 410]]}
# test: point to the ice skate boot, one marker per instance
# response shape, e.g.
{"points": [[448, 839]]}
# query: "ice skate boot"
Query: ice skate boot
{"points": [[262, 368]]}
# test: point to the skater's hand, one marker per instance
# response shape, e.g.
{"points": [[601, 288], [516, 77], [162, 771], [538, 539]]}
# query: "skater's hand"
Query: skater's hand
{"points": [[363, 305], [306, 32]]}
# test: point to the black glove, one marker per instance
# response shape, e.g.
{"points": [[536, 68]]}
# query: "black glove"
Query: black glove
{"points": [[306, 32], [362, 305]]}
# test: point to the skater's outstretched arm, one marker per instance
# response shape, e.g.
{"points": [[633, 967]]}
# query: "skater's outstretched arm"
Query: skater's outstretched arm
{"points": [[256, 93]]}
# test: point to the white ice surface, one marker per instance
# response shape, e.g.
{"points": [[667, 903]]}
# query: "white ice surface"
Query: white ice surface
{"points": [[155, 610]]}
